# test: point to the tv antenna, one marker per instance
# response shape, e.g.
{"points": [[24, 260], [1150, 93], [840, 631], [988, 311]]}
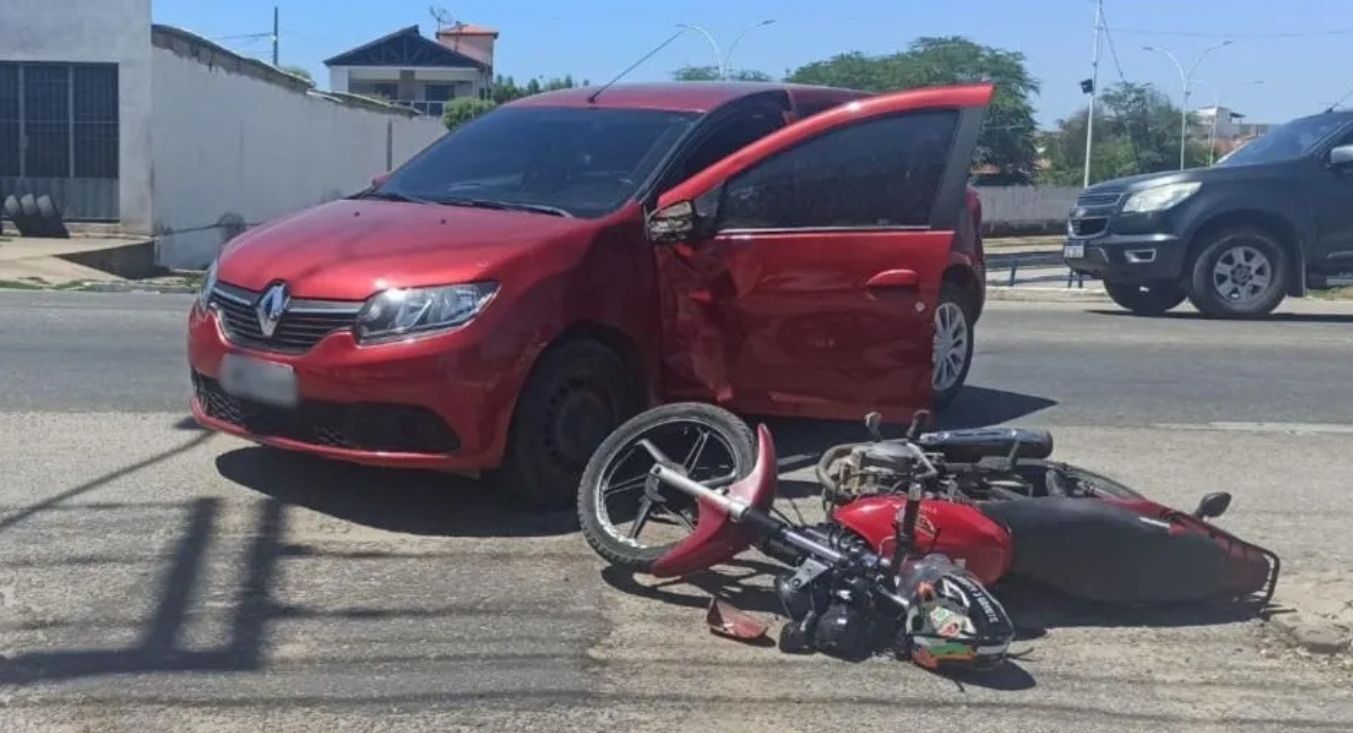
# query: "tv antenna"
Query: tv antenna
{"points": [[442, 16]]}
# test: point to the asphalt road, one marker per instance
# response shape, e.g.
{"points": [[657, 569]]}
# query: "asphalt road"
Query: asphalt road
{"points": [[155, 577]]}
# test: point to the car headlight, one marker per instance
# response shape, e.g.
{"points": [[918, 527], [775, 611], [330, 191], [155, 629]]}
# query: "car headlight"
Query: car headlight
{"points": [[393, 314], [207, 285], [1160, 197]]}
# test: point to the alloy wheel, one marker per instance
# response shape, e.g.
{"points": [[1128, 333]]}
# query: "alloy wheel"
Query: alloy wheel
{"points": [[1242, 274], [951, 345]]}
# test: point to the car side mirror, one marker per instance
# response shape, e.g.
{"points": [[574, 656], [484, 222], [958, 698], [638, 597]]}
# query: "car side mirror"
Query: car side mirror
{"points": [[1213, 505], [672, 223], [1341, 156], [379, 179]]}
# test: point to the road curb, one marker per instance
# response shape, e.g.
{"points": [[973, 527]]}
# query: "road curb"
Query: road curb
{"points": [[1047, 295]]}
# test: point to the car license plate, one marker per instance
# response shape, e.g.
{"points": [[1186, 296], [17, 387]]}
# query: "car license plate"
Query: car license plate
{"points": [[261, 381], [1073, 252]]}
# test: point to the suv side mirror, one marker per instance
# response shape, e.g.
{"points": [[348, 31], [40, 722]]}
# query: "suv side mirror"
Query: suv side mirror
{"points": [[1341, 156], [672, 223]]}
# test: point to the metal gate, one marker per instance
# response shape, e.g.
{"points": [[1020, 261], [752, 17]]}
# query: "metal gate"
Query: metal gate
{"points": [[59, 135]]}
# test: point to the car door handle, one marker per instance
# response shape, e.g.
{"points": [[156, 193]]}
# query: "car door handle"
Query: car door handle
{"points": [[895, 280]]}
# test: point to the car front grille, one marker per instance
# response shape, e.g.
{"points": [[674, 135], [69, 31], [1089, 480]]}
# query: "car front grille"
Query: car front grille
{"points": [[303, 323], [1094, 200], [362, 426], [1091, 227]]}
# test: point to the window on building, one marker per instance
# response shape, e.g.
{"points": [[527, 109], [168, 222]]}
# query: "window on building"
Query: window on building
{"points": [[438, 92], [59, 120], [385, 89], [878, 173]]}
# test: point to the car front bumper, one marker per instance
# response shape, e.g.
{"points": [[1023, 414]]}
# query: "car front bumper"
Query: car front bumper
{"points": [[438, 402], [1128, 258]]}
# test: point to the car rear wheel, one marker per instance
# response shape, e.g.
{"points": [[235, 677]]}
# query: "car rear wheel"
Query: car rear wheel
{"points": [[1146, 300], [953, 345], [1239, 272], [577, 394]]}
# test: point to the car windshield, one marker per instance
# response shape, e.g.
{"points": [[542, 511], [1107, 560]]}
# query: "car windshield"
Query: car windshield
{"points": [[1286, 142], [570, 161]]}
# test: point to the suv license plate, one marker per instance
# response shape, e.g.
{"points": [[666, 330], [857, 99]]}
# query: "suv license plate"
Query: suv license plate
{"points": [[1073, 252], [261, 381]]}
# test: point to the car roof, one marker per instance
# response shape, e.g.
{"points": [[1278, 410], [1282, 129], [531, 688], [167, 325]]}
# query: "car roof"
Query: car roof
{"points": [[682, 96]]}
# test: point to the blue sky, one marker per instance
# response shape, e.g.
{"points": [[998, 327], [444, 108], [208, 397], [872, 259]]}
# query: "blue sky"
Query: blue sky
{"points": [[1298, 48]]}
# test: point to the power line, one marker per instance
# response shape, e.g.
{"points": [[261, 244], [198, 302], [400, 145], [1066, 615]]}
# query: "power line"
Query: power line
{"points": [[1113, 51], [1213, 34]]}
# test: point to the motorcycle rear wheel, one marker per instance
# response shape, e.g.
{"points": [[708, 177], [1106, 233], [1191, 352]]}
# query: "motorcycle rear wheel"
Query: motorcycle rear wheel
{"points": [[710, 444]]}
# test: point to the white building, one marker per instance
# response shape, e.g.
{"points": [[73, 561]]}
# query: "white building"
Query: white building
{"points": [[415, 72], [1230, 124], [165, 134]]}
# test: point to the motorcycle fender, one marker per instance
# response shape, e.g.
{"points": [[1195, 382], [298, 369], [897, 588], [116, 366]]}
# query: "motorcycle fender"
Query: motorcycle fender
{"points": [[717, 538]]}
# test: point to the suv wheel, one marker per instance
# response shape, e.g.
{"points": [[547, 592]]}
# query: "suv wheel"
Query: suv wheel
{"points": [[1239, 272], [1146, 300], [577, 394], [953, 343]]}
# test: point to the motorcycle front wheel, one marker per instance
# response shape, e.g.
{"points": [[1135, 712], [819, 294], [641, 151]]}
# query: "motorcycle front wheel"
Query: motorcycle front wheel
{"points": [[631, 520]]}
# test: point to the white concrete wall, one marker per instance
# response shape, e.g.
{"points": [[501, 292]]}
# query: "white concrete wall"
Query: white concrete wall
{"points": [[1026, 205], [228, 147], [97, 31]]}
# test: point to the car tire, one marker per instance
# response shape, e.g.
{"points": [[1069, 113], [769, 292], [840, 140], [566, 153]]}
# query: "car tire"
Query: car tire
{"points": [[1238, 273], [577, 394], [953, 343], [1146, 300]]}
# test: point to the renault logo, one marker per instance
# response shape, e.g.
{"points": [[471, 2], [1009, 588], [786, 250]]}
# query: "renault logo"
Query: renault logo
{"points": [[270, 307]]}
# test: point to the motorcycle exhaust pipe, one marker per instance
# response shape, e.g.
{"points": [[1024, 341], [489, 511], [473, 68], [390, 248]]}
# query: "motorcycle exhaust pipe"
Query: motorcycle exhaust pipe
{"points": [[742, 513]]}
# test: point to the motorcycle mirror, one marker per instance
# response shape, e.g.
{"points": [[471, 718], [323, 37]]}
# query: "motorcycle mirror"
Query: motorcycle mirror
{"points": [[917, 421], [1213, 505], [872, 421]]}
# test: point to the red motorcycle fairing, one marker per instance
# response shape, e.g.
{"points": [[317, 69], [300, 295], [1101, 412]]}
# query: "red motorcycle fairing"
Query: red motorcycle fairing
{"points": [[717, 538], [960, 531]]}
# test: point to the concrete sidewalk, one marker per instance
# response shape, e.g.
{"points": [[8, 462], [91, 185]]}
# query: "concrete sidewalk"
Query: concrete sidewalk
{"points": [[40, 262]]}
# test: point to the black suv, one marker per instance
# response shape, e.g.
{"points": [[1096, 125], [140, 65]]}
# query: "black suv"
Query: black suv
{"points": [[1269, 220]]}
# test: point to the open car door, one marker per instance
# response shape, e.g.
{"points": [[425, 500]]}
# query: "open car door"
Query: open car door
{"points": [[800, 274]]}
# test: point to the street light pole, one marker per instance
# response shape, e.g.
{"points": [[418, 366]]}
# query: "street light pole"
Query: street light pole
{"points": [[1185, 80], [729, 55], [718, 57], [1094, 91]]}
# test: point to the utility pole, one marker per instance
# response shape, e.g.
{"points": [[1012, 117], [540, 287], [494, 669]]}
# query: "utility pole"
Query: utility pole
{"points": [[274, 35], [1094, 91]]}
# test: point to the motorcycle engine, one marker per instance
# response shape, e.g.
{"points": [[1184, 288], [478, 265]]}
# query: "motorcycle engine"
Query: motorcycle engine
{"points": [[829, 608], [869, 468]]}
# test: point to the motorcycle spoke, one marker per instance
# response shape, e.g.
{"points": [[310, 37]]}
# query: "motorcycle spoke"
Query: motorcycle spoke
{"points": [[693, 455], [641, 519], [628, 485]]}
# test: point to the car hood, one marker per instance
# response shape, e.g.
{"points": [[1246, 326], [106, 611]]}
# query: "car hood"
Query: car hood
{"points": [[1213, 174], [350, 249]]}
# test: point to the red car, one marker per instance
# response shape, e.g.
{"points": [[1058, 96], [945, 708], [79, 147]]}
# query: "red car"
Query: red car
{"points": [[515, 291]]}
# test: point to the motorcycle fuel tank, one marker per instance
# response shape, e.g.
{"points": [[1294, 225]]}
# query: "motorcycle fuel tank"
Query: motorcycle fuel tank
{"points": [[959, 531]]}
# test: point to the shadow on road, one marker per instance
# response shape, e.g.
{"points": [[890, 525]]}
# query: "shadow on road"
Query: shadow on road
{"points": [[1275, 317], [413, 502]]}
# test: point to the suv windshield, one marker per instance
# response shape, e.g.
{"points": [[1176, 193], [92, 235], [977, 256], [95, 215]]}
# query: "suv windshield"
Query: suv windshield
{"points": [[1286, 142], [578, 161]]}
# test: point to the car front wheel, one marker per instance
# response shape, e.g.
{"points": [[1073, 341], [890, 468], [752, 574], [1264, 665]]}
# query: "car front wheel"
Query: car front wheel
{"points": [[953, 343], [1146, 300], [1239, 272]]}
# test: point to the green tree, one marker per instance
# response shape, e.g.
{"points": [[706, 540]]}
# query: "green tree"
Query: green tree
{"points": [[506, 89], [1136, 131], [463, 109], [300, 71], [1006, 143], [711, 73]]}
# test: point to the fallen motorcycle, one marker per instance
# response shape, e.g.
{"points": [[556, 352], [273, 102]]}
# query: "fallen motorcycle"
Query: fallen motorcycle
{"points": [[841, 597], [684, 487]]}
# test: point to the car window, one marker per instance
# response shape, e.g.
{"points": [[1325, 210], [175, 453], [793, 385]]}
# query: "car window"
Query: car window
{"points": [[586, 161], [728, 138], [876, 173], [1286, 142]]}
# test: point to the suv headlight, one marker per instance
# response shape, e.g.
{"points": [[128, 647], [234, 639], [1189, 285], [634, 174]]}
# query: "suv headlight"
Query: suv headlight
{"points": [[207, 285], [393, 314], [1160, 197]]}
